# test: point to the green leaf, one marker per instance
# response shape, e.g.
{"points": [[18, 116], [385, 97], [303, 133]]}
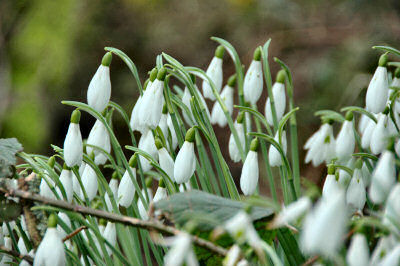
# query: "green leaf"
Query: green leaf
{"points": [[205, 209], [9, 209], [8, 149], [328, 114], [387, 49], [359, 110]]}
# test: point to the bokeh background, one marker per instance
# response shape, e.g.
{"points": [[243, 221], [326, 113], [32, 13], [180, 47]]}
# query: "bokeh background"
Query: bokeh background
{"points": [[49, 51]]}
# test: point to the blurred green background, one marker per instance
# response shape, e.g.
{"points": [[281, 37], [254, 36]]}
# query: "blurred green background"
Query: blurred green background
{"points": [[49, 51]]}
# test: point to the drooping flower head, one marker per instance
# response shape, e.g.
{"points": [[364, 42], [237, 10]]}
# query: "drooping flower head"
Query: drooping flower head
{"points": [[214, 71], [250, 172], [73, 147], [99, 91], [278, 92], [217, 114], [233, 148], [185, 162], [165, 159], [126, 189], [345, 141], [378, 88], [253, 81]]}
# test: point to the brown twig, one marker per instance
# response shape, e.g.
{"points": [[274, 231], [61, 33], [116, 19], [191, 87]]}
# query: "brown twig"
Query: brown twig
{"points": [[16, 254], [148, 225], [74, 233], [310, 261]]}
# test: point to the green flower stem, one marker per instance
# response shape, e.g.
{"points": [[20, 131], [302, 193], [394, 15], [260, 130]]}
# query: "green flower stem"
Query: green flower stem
{"points": [[293, 128], [266, 160]]}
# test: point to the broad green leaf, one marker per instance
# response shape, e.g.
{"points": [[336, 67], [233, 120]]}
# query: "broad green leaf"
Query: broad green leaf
{"points": [[8, 149], [205, 209]]}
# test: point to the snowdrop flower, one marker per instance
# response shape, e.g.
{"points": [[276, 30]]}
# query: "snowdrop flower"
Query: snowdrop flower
{"points": [[241, 229], [215, 73], [363, 123], [6, 260], [146, 143], [165, 159], [186, 98], [278, 91], [233, 148], [24, 262], [99, 91], [89, 181], [153, 101], [253, 81], [185, 187], [367, 134], [345, 141], [46, 180], [292, 212], [113, 184], [73, 147], [161, 192], [181, 251], [66, 181], [392, 258], [174, 138], [391, 215], [99, 137], [51, 250], [396, 83], [356, 195], [324, 226], [331, 185], [249, 176], [217, 114], [142, 210], [163, 125], [377, 92], [383, 177], [358, 253], [135, 122], [275, 158], [384, 246], [379, 138], [185, 162], [21, 246], [75, 182], [110, 234], [232, 257], [63, 217], [321, 146], [126, 189], [344, 176]]}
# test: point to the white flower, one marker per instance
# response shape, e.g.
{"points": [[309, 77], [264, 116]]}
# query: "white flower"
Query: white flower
{"points": [[75, 182], [6, 260], [186, 100], [66, 181], [367, 133], [99, 91], [187, 185], [384, 246], [73, 147], [358, 252], [21, 246], [62, 216], [275, 158], [51, 250], [89, 181], [278, 91], [392, 258], [383, 177], [152, 103], [185, 162], [146, 143], [99, 137], [110, 234], [250, 173], [379, 138], [240, 227], [161, 194], [214, 72], [135, 119], [232, 257], [163, 122], [356, 195], [253, 81], [114, 190], [249, 176], [345, 141], [166, 162], [44, 187], [321, 146], [325, 225], [331, 186], [181, 251], [391, 217], [142, 210], [171, 128], [126, 189], [292, 212], [378, 88], [363, 123], [217, 114], [233, 148]]}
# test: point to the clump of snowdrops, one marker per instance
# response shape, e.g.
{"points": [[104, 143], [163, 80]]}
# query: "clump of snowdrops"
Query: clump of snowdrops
{"points": [[95, 202]]}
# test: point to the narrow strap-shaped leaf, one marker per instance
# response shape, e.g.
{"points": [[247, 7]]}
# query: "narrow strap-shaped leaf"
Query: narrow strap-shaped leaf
{"points": [[387, 49], [359, 110]]}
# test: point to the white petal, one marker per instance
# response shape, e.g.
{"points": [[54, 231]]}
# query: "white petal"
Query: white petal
{"points": [[166, 162], [99, 91], [345, 140], [114, 190], [51, 250], [73, 147], [126, 189], [214, 71], [185, 163], [383, 178], [253, 82], [358, 253], [89, 181], [278, 90], [249, 176], [377, 92]]}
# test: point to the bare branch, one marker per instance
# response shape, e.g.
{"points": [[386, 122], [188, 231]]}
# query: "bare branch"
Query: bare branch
{"points": [[16, 254]]}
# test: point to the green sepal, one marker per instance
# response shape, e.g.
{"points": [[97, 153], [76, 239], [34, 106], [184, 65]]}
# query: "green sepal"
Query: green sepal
{"points": [[257, 54], [219, 52], [133, 161], [106, 61], [281, 76], [254, 145], [232, 81], [52, 221], [190, 135], [75, 116], [162, 73], [153, 74], [383, 60]]}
